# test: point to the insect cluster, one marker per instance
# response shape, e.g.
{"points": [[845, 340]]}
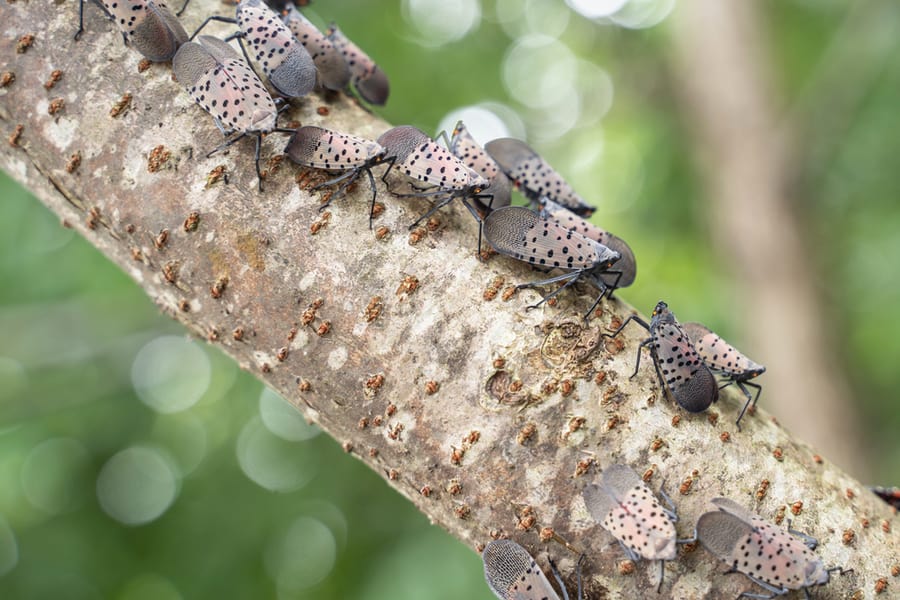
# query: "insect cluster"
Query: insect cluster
{"points": [[552, 234], [295, 57], [777, 560]]}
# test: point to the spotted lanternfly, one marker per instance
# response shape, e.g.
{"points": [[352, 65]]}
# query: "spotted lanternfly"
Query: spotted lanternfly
{"points": [[369, 80], [724, 359], [534, 177], [147, 25], [629, 510], [523, 234], [283, 5], [287, 65], [770, 556], [333, 71], [512, 574], [422, 160], [891, 495], [681, 371], [465, 148], [626, 265], [225, 86], [328, 150]]}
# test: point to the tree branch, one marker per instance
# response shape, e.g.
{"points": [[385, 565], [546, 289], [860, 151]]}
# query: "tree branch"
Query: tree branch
{"points": [[488, 417]]}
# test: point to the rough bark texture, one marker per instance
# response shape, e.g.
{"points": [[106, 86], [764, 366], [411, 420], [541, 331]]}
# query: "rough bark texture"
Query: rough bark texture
{"points": [[402, 316]]}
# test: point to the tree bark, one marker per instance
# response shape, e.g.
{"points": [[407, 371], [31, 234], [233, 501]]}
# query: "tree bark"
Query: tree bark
{"points": [[488, 417]]}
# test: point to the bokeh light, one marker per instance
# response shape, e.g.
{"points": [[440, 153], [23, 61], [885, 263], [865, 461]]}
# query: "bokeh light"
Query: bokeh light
{"points": [[482, 122], [543, 17], [52, 472], [539, 71], [170, 373], [272, 462], [283, 419], [438, 22], [596, 9], [137, 485], [301, 556], [330, 515], [641, 14]]}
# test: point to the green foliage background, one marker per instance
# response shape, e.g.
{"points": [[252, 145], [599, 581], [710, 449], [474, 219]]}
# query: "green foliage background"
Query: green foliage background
{"points": [[72, 323]]}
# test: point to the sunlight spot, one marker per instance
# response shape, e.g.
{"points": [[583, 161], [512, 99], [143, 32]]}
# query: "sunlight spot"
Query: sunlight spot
{"points": [[438, 22], [137, 485], [170, 373], [272, 462], [283, 419], [301, 556]]}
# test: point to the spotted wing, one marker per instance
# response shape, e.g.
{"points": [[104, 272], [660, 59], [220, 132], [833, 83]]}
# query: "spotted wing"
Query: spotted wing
{"points": [[283, 59], [538, 179], [719, 355], [724, 535], [638, 520], [598, 502], [127, 14], [761, 551], [626, 264], [466, 149], [225, 86], [361, 65], [148, 26], [534, 176], [370, 81], [432, 164], [686, 376], [334, 73], [512, 574], [523, 234], [320, 148]]}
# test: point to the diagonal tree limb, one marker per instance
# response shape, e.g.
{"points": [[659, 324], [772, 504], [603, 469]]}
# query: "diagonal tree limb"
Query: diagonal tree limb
{"points": [[488, 417]]}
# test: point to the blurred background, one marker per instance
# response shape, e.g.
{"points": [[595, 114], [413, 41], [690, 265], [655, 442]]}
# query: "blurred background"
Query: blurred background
{"points": [[748, 152]]}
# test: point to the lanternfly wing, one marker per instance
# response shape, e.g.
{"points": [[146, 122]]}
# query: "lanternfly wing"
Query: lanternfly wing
{"points": [[149, 26], [466, 149], [626, 264], [223, 84], [283, 59], [521, 233], [422, 159], [320, 148], [534, 176], [632, 514], [719, 355], [758, 549], [686, 376], [370, 81], [512, 574], [334, 73]]}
